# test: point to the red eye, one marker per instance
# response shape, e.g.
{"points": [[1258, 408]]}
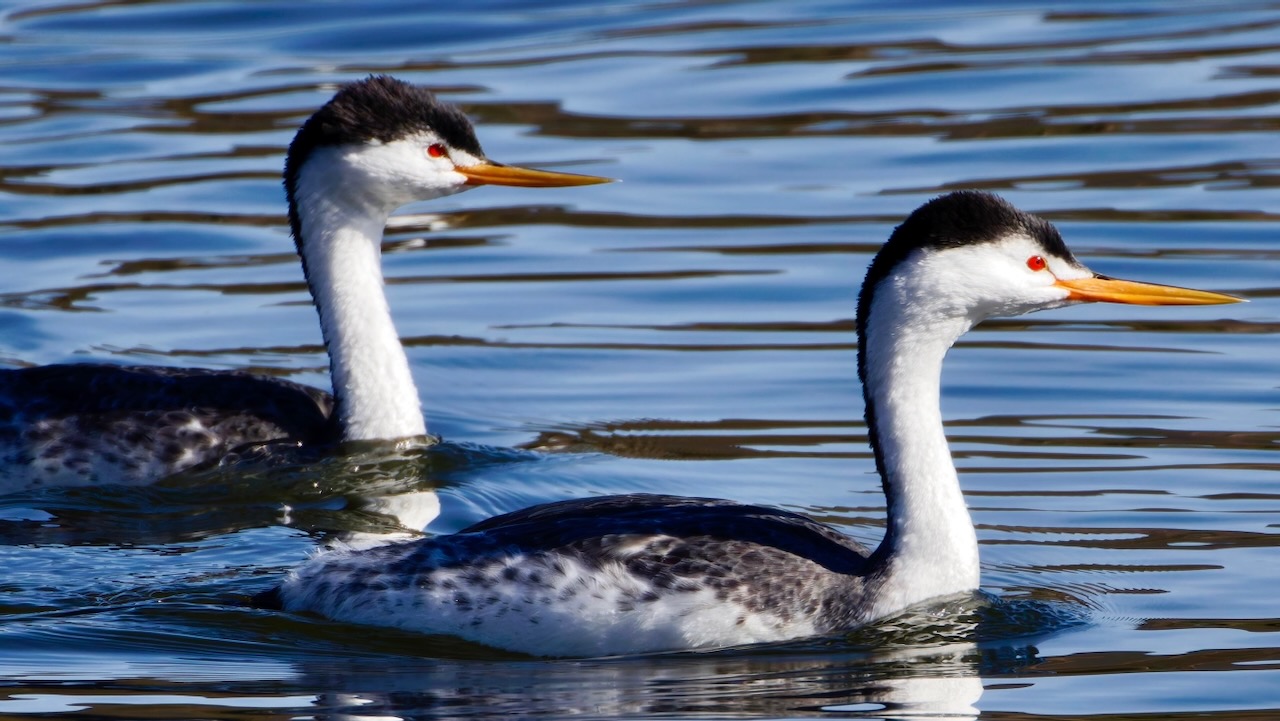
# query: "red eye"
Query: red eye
{"points": [[1036, 263], [436, 150]]}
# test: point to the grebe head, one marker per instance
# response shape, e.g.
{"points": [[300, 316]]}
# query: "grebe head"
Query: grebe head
{"points": [[971, 255], [380, 143]]}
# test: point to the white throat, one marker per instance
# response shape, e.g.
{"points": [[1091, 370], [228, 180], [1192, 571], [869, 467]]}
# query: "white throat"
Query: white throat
{"points": [[342, 224], [930, 548]]}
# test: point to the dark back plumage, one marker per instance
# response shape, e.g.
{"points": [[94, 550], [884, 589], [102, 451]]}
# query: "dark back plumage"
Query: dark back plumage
{"points": [[145, 422], [563, 523], [53, 390]]}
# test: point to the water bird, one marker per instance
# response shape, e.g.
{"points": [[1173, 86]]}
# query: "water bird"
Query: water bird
{"points": [[378, 144], [640, 573]]}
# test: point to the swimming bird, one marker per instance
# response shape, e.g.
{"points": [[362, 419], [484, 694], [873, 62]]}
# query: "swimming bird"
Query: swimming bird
{"points": [[378, 144], [641, 573]]}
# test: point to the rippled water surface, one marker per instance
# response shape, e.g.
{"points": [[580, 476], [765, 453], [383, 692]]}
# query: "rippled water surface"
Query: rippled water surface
{"points": [[688, 330]]}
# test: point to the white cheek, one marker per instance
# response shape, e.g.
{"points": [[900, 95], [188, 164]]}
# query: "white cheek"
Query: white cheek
{"points": [[404, 172], [977, 283]]}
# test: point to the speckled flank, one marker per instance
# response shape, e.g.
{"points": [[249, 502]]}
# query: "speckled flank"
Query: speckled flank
{"points": [[91, 423], [583, 578]]}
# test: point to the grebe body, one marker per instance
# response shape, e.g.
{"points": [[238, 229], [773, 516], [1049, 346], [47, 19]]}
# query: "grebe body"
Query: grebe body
{"points": [[376, 145], [639, 573]]}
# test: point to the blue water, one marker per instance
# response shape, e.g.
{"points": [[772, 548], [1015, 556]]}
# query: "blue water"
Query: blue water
{"points": [[687, 331]]}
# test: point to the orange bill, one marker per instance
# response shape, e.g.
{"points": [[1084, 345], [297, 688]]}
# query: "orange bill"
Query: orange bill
{"points": [[1110, 290], [499, 174]]}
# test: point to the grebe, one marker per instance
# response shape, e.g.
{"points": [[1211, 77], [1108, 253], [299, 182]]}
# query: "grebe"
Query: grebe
{"points": [[376, 145], [641, 573]]}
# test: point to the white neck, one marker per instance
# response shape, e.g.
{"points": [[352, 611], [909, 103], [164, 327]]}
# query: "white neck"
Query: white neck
{"points": [[930, 548], [341, 248]]}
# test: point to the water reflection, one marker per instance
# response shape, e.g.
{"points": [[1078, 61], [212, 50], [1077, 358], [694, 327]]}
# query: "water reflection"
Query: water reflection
{"points": [[920, 683], [1042, 442], [909, 683], [923, 664], [359, 492]]}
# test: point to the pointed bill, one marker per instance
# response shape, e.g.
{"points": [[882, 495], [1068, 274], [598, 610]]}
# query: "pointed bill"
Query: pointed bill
{"points": [[489, 173], [1110, 290]]}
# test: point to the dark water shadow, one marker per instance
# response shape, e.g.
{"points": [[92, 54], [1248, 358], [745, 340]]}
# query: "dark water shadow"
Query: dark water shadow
{"points": [[364, 491]]}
